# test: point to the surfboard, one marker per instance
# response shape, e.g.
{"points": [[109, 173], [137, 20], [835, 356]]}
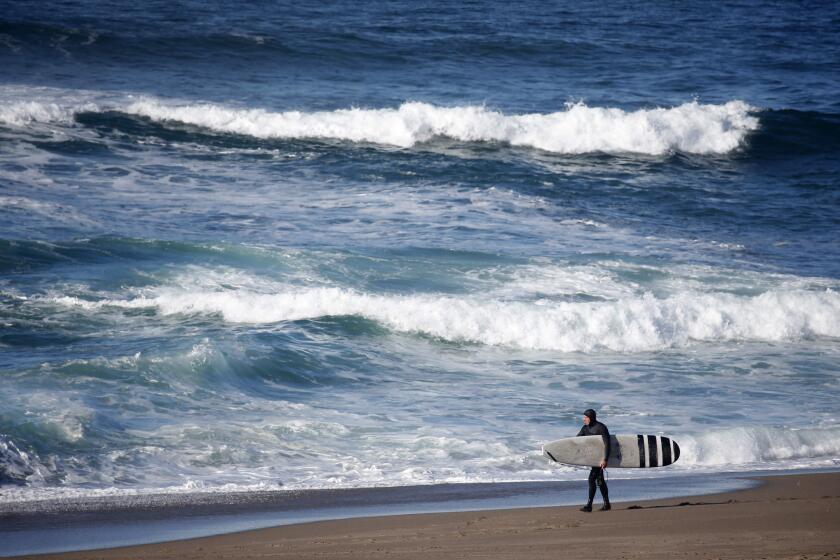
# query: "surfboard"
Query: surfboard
{"points": [[634, 452]]}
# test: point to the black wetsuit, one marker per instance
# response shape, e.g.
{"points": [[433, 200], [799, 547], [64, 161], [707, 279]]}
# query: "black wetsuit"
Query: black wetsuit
{"points": [[596, 475]]}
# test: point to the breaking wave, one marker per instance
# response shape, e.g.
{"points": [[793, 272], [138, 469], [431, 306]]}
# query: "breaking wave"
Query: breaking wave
{"points": [[579, 129], [751, 445], [27, 476], [691, 127], [22, 113], [634, 324]]}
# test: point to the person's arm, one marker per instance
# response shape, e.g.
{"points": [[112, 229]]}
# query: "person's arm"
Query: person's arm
{"points": [[580, 433], [606, 436]]}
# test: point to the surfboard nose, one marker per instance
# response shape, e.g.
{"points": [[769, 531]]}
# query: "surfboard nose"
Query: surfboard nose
{"points": [[676, 452]]}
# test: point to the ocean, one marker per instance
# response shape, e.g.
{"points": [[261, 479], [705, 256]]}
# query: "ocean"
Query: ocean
{"points": [[278, 246]]}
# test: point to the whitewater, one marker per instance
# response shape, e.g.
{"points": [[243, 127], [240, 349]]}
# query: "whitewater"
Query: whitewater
{"points": [[578, 129], [633, 325], [691, 127]]}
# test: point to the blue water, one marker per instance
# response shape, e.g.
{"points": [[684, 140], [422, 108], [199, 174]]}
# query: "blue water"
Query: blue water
{"points": [[341, 246]]}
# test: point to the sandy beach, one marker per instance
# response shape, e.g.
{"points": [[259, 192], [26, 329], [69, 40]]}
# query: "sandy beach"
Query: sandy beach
{"points": [[791, 516]]}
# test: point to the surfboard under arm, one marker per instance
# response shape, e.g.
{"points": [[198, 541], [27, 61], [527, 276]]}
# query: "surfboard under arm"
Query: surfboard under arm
{"points": [[627, 451]]}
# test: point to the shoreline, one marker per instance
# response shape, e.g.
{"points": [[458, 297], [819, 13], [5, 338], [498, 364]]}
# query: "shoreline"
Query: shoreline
{"points": [[66, 525], [383, 515]]}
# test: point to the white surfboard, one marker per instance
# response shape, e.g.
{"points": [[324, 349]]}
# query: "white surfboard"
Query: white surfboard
{"points": [[639, 451]]}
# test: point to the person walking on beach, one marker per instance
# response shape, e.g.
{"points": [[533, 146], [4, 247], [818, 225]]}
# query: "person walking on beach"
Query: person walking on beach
{"points": [[591, 427]]}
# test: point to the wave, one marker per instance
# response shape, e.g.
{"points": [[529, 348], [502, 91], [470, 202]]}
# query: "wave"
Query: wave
{"points": [[787, 132], [749, 445], [691, 127], [191, 468], [22, 113], [630, 325], [21, 37], [47, 210], [21, 106], [158, 45], [17, 466], [579, 129]]}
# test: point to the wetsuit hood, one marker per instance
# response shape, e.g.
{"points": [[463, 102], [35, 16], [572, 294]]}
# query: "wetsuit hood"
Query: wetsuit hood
{"points": [[591, 414]]}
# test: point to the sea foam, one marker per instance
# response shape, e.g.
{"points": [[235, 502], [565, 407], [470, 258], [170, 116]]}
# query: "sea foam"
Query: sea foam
{"points": [[22, 113], [417, 460], [748, 445], [691, 127], [632, 324]]}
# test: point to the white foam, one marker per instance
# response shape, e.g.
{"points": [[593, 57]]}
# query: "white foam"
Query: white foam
{"points": [[21, 106], [631, 324], [22, 113], [544, 279], [18, 465], [416, 459], [757, 445], [691, 127]]}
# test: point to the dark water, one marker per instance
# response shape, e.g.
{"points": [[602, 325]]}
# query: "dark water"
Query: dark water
{"points": [[342, 246]]}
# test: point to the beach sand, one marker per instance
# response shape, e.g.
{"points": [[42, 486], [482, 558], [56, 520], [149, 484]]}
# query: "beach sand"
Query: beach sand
{"points": [[791, 516]]}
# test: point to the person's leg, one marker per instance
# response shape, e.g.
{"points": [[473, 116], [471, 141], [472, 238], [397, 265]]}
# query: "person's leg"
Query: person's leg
{"points": [[605, 493], [593, 477]]}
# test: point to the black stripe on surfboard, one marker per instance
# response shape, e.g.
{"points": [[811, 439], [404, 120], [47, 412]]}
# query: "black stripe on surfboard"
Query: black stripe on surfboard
{"points": [[547, 452], [641, 440], [654, 461], [666, 451]]}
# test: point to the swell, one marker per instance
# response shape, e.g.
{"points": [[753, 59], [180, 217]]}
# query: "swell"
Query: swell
{"points": [[300, 42], [787, 132], [150, 46], [20, 256], [23, 37]]}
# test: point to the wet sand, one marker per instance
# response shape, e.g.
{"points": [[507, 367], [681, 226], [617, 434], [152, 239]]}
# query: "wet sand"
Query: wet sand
{"points": [[792, 516]]}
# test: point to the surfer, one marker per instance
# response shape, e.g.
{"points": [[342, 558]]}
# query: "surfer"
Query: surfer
{"points": [[591, 427]]}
